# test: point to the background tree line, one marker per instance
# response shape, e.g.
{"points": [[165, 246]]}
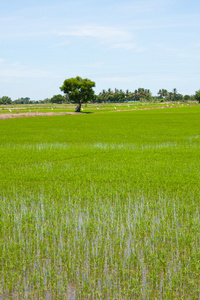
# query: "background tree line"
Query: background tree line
{"points": [[110, 96]]}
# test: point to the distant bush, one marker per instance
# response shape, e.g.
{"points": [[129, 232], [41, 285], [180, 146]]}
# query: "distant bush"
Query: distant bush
{"points": [[57, 99], [187, 97], [5, 100]]}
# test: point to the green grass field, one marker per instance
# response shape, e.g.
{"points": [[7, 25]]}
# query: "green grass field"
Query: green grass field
{"points": [[101, 206]]}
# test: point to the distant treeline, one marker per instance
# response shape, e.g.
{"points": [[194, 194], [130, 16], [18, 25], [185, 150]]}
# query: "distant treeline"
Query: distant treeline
{"points": [[110, 96]]}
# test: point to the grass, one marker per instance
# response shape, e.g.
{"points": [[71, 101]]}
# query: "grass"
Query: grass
{"points": [[101, 206]]}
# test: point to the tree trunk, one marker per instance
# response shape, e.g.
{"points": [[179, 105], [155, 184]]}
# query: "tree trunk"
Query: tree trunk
{"points": [[78, 108]]}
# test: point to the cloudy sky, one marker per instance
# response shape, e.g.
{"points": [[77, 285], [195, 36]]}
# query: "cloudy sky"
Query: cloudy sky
{"points": [[124, 44]]}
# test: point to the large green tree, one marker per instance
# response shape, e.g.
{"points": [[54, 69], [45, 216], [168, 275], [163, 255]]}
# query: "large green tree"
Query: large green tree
{"points": [[79, 90]]}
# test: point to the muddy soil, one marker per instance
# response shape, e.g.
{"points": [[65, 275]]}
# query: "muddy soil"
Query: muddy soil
{"points": [[23, 115]]}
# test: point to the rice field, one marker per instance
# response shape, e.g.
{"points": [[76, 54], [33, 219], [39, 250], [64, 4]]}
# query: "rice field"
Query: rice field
{"points": [[97, 107], [101, 206]]}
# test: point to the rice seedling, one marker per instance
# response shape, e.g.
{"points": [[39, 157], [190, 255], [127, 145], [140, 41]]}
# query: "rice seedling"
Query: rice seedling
{"points": [[101, 206]]}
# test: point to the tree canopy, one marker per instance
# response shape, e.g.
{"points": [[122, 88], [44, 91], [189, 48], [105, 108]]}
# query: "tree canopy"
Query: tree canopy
{"points": [[79, 90]]}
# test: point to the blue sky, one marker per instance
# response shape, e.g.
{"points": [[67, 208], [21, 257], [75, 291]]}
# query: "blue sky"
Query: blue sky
{"points": [[118, 44]]}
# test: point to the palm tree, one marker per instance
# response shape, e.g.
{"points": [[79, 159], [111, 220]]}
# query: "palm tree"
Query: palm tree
{"points": [[160, 93], [170, 96], [175, 92]]}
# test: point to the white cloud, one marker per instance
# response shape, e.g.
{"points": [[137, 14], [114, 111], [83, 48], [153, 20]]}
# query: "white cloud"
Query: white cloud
{"points": [[178, 51], [29, 34], [64, 43], [17, 70], [95, 31], [112, 36]]}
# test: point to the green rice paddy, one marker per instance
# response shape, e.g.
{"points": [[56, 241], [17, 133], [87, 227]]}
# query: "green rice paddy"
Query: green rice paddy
{"points": [[97, 107], [101, 206]]}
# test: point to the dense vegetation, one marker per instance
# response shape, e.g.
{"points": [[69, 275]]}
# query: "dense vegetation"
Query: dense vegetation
{"points": [[110, 211], [116, 96]]}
